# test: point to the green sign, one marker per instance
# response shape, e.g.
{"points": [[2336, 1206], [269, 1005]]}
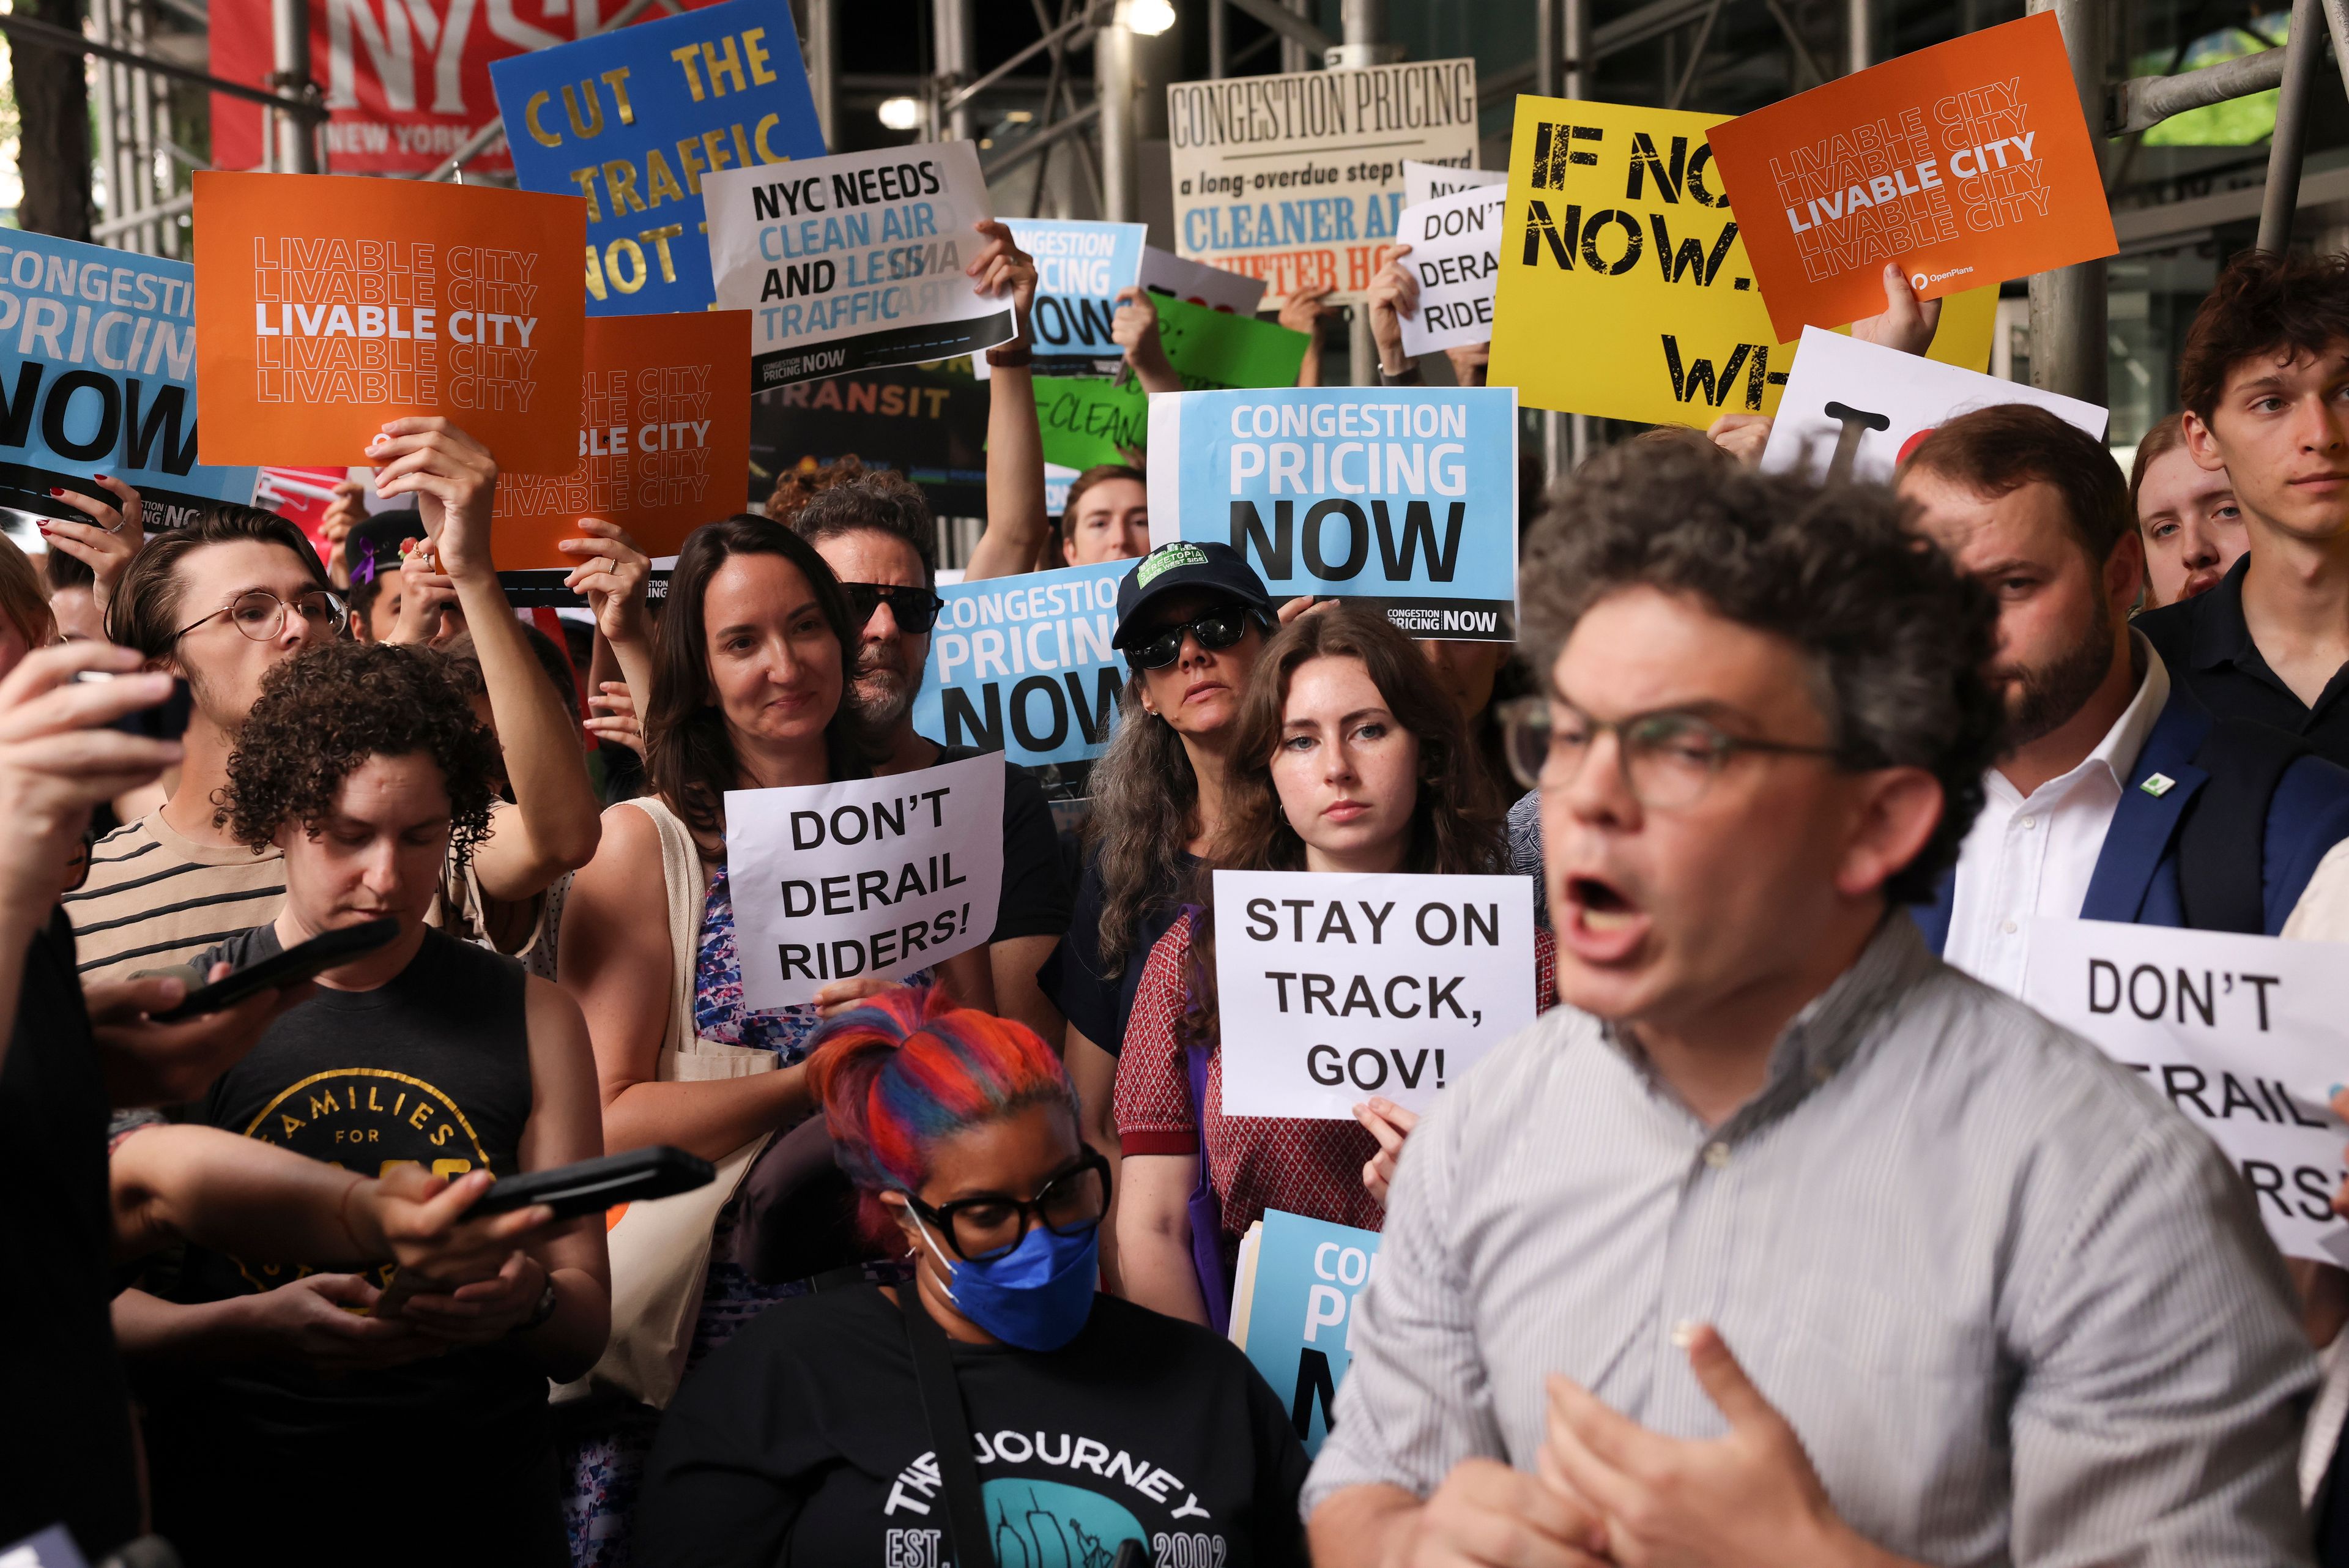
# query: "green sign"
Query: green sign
{"points": [[1216, 350], [1087, 421]]}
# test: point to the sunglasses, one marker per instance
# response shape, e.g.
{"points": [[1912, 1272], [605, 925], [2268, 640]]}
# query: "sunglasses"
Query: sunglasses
{"points": [[1216, 630], [915, 610]]}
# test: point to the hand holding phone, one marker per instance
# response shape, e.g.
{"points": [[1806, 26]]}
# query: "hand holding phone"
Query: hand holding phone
{"points": [[302, 961]]}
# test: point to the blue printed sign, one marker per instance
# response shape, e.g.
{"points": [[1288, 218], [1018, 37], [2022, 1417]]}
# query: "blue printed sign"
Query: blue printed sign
{"points": [[1293, 1312], [98, 375], [1080, 268], [1402, 497], [1023, 665], [632, 118]]}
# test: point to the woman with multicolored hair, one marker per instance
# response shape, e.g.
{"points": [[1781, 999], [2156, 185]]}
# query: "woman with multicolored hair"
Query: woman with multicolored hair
{"points": [[1090, 1421]]}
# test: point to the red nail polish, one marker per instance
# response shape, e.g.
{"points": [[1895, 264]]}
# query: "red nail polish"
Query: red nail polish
{"points": [[55, 491]]}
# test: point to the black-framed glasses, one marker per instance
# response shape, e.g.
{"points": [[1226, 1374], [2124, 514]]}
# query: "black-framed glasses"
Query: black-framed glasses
{"points": [[260, 614], [985, 1228], [1668, 757], [1215, 629], [915, 609]]}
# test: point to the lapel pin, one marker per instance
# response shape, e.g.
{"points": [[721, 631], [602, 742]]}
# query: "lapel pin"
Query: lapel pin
{"points": [[2158, 784]]}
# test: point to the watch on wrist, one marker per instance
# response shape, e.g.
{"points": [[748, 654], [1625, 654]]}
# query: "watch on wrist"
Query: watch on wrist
{"points": [[1011, 356], [547, 1301]]}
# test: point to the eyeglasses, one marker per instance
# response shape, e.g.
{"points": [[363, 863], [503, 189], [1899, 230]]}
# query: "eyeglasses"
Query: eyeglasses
{"points": [[260, 614], [915, 609], [1215, 629], [982, 1228], [1668, 758]]}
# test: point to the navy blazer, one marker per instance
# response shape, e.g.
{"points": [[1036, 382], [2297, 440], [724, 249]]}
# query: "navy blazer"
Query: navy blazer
{"points": [[2135, 879]]}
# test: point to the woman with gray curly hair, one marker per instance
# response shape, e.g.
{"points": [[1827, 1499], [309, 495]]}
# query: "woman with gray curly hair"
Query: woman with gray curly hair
{"points": [[363, 764]]}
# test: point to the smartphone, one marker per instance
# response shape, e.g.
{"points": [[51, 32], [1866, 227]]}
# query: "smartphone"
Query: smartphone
{"points": [[591, 1186], [166, 721], [291, 967]]}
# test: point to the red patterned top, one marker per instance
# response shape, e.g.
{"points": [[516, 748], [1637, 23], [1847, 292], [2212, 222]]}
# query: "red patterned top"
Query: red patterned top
{"points": [[1300, 1167]]}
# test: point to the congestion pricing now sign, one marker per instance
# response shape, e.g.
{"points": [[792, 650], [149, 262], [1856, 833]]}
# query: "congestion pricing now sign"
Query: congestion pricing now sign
{"points": [[1298, 178], [632, 120], [1335, 986], [870, 876], [1402, 497], [1023, 665], [2240, 1033], [98, 375]]}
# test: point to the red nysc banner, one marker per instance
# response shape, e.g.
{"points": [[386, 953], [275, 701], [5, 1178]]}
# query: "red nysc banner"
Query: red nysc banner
{"points": [[406, 82]]}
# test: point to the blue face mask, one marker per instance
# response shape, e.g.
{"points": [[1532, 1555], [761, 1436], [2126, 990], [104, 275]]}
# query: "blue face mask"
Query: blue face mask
{"points": [[1036, 1296]]}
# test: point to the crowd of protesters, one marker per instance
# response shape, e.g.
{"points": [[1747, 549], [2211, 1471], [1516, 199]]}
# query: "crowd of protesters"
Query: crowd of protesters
{"points": [[1787, 1233]]}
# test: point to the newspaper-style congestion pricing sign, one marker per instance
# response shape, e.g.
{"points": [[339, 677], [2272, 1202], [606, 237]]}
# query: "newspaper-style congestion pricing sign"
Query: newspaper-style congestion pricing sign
{"points": [[325, 306], [1023, 665], [632, 120], [1966, 163], [98, 375], [1298, 178], [2241, 1034], [855, 261], [1455, 258], [1865, 407], [664, 446], [1404, 498], [872, 877], [1334, 986]]}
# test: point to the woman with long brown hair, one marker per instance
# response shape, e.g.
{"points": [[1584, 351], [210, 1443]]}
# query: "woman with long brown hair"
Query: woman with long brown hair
{"points": [[751, 658], [1347, 756]]}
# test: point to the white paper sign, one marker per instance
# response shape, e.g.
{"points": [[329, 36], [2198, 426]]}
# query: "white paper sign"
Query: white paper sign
{"points": [[1163, 272], [1422, 182], [1455, 257], [1332, 988], [2241, 1034], [872, 877], [853, 261], [1884, 402]]}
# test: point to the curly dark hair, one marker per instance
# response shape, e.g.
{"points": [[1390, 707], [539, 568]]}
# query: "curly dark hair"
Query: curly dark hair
{"points": [[2264, 304], [879, 501], [324, 713], [1896, 637]]}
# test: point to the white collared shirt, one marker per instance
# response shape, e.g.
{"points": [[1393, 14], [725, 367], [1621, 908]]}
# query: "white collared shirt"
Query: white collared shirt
{"points": [[2034, 854]]}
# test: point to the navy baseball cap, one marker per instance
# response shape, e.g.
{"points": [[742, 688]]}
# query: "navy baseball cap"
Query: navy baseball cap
{"points": [[1185, 564]]}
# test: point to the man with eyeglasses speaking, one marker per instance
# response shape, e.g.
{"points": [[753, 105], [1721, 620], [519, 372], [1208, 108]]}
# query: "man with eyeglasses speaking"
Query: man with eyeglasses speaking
{"points": [[226, 600], [1784, 1242], [876, 533]]}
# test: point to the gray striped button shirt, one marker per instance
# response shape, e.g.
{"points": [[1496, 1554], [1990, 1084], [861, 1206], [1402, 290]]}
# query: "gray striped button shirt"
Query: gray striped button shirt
{"points": [[2017, 1308]]}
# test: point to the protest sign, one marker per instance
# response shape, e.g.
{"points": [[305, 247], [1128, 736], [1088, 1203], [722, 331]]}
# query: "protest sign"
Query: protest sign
{"points": [[1338, 986], [1023, 666], [98, 366], [1057, 477], [325, 306], [1455, 258], [928, 425], [1080, 268], [1853, 410], [1215, 348], [1298, 178], [1165, 273], [1293, 1311], [1086, 422], [1618, 242], [1967, 163], [664, 442], [1424, 183], [854, 261], [870, 876], [2241, 1034], [632, 120], [1402, 497]]}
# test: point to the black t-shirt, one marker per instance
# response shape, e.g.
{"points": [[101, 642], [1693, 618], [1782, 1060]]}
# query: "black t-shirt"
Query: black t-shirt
{"points": [[2208, 646], [432, 1068], [1035, 900], [803, 1442], [1095, 1002], [65, 1444]]}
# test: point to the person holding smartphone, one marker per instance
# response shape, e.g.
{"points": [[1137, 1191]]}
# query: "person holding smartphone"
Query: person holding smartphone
{"points": [[269, 1400]]}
